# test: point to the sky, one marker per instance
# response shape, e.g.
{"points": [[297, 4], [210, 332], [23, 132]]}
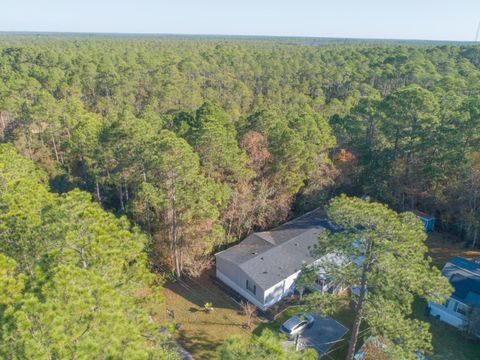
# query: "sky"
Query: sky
{"points": [[385, 19]]}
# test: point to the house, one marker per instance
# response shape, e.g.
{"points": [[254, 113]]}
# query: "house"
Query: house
{"points": [[464, 276], [428, 221], [264, 266]]}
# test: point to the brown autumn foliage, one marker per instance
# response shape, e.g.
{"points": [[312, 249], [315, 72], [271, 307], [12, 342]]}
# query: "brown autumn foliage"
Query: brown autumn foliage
{"points": [[256, 146]]}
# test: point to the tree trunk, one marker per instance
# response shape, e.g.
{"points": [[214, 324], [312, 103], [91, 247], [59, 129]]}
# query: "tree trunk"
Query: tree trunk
{"points": [[397, 139], [29, 144], [55, 148], [176, 258], [147, 207], [2, 120], [97, 187], [120, 196], [149, 222], [358, 313], [475, 236], [370, 133]]}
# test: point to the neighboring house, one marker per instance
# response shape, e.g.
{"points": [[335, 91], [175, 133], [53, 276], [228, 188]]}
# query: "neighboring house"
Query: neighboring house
{"points": [[264, 266], [464, 276], [428, 221]]}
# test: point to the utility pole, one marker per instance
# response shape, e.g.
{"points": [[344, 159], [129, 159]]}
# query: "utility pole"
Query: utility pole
{"points": [[297, 342], [478, 32]]}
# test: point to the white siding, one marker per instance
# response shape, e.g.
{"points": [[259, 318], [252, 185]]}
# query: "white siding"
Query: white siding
{"points": [[289, 283], [244, 292], [446, 314], [280, 290], [231, 270], [237, 276]]}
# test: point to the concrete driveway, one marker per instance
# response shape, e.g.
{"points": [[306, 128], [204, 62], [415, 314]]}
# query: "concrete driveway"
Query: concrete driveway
{"points": [[324, 333]]}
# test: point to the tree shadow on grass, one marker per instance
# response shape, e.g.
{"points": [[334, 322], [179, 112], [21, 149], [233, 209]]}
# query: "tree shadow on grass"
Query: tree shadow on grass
{"points": [[273, 326], [199, 344], [220, 323], [201, 293]]}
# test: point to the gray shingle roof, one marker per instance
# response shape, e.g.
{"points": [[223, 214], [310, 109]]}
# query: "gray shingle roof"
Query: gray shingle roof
{"points": [[271, 256], [464, 276]]}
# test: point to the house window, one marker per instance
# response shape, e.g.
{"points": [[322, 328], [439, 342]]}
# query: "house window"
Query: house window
{"points": [[460, 308], [251, 287]]}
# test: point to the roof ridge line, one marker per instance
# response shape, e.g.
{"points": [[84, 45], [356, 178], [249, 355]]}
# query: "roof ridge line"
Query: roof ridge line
{"points": [[268, 238], [297, 218]]}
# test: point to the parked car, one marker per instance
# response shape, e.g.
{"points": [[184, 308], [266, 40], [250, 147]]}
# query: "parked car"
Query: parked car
{"points": [[297, 325]]}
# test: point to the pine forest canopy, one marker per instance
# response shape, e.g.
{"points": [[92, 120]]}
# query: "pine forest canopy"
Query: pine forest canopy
{"points": [[74, 279], [200, 141]]}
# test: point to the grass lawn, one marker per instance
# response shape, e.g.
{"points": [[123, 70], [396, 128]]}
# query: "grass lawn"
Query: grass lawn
{"points": [[201, 332], [448, 343]]}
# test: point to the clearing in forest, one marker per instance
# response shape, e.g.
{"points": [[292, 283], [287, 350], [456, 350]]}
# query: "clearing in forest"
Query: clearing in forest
{"points": [[201, 332]]}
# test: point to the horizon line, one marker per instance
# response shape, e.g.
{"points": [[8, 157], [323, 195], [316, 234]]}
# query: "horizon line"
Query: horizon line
{"points": [[55, 32]]}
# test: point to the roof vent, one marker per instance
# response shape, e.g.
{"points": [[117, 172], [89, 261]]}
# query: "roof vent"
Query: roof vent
{"points": [[296, 244]]}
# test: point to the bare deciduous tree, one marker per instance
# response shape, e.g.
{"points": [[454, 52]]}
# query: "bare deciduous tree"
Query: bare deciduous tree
{"points": [[249, 310]]}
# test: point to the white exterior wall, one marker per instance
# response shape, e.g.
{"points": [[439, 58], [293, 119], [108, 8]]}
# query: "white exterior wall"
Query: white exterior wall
{"points": [[446, 314], [244, 292], [280, 290], [231, 270], [237, 280]]}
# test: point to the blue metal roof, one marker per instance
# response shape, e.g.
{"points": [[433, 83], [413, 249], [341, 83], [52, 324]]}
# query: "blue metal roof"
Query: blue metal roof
{"points": [[464, 276], [467, 290], [466, 264]]}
